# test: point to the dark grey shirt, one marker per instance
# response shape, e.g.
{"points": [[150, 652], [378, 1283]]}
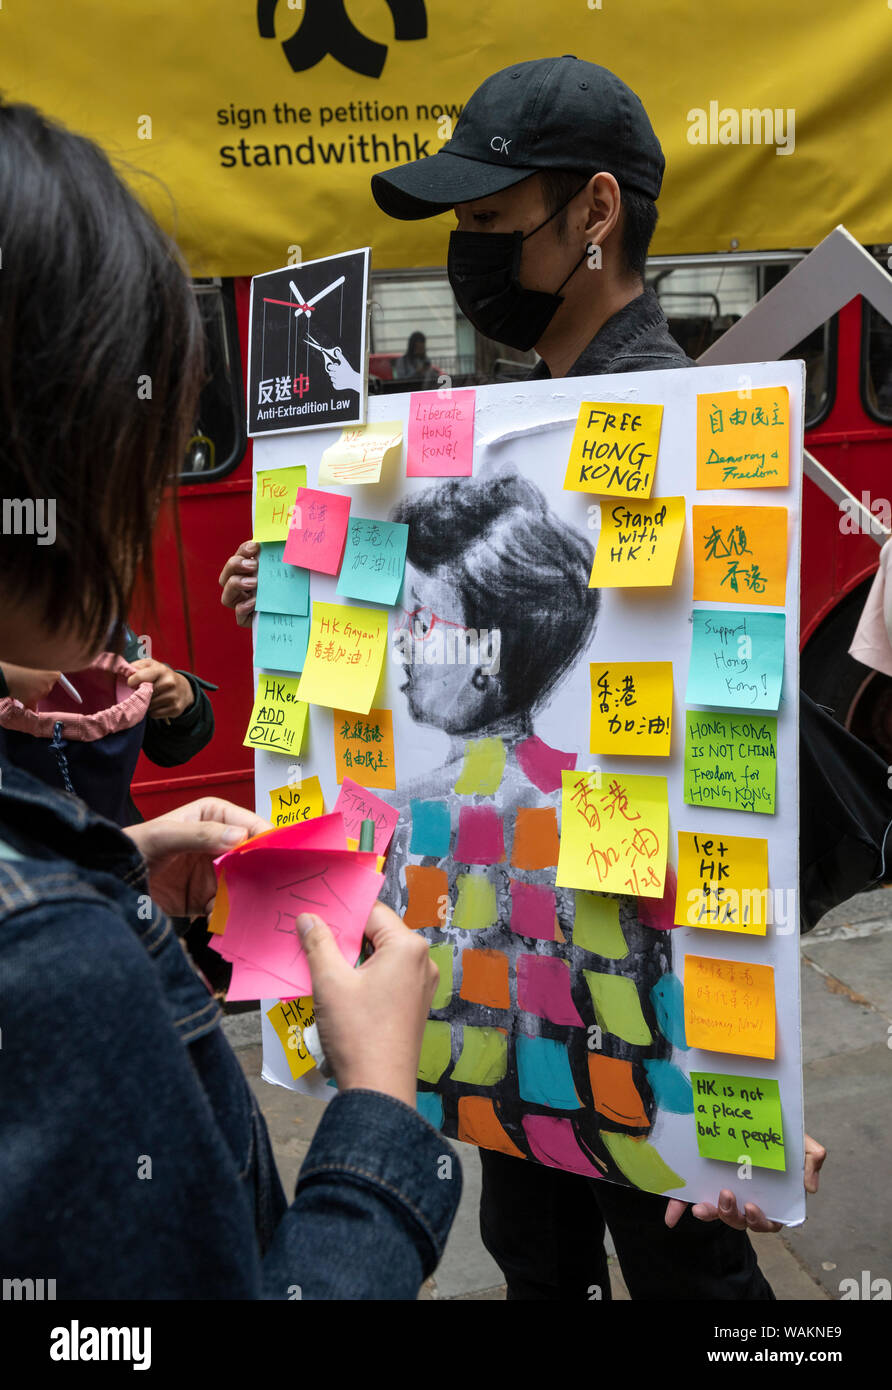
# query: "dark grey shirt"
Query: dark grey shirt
{"points": [[635, 339]]}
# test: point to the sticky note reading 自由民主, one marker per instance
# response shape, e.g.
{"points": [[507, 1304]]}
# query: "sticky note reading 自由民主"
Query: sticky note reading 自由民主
{"points": [[638, 546], [743, 441], [318, 530], [274, 492], [614, 836], [740, 554], [730, 761], [614, 449], [722, 882], [279, 716], [631, 707], [739, 1117], [291, 805], [363, 747], [374, 560], [344, 657], [729, 1006], [737, 659]]}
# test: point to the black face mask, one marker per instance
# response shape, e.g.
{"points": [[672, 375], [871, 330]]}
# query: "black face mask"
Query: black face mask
{"points": [[483, 270]]}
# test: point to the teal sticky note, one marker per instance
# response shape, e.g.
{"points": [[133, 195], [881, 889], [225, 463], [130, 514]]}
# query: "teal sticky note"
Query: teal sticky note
{"points": [[281, 588], [374, 560], [737, 659], [281, 641]]}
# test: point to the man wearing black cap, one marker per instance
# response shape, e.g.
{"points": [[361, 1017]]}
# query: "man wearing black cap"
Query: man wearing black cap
{"points": [[553, 171]]}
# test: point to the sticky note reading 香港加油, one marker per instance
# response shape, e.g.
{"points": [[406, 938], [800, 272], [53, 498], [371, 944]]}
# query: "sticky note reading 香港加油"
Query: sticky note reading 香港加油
{"points": [[281, 588], [289, 1019], [344, 656], [281, 642], [318, 530], [374, 560], [729, 1006], [363, 746], [614, 836], [740, 554], [360, 453], [730, 761], [631, 707], [722, 882], [737, 659], [274, 493], [744, 441], [441, 434], [279, 716], [357, 804], [293, 804], [739, 1117], [614, 449], [638, 546]]}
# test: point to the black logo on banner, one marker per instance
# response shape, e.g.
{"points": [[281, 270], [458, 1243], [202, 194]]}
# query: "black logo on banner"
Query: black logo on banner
{"points": [[327, 28]]}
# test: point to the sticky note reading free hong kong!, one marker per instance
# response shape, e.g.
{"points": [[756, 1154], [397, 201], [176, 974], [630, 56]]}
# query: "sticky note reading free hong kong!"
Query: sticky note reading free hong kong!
{"points": [[274, 492], [740, 554], [744, 441], [631, 707], [344, 657], [739, 1117], [614, 449], [441, 434], [279, 716], [614, 837], [737, 659], [638, 544], [730, 761], [722, 882], [729, 1006]]}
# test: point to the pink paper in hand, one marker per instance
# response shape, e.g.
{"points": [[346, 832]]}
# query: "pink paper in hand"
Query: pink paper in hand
{"points": [[441, 435], [318, 530], [356, 804]]}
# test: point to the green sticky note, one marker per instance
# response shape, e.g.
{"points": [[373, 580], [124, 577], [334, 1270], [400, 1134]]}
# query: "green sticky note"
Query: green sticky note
{"points": [[441, 955], [475, 906], [596, 925], [739, 1117], [484, 1056], [730, 761], [617, 1006], [374, 560], [640, 1162], [436, 1051]]}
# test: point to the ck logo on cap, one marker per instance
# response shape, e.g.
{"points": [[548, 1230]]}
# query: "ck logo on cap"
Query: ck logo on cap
{"points": [[499, 144]]}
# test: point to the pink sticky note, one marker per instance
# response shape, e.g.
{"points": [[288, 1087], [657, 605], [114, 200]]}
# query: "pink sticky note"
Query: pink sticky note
{"points": [[543, 765], [481, 837], [543, 988], [553, 1142], [357, 804], [322, 832], [318, 530], [441, 435]]}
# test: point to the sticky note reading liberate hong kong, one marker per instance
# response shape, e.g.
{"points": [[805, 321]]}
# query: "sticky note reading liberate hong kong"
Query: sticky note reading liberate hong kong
{"points": [[614, 449]]}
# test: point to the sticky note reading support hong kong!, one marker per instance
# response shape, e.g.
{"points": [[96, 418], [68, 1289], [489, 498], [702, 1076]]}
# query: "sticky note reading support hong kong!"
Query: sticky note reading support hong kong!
{"points": [[638, 545], [614, 449], [730, 761], [737, 659]]}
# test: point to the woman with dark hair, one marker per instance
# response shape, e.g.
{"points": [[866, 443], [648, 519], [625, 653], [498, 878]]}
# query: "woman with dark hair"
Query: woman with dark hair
{"points": [[414, 366], [134, 1162]]}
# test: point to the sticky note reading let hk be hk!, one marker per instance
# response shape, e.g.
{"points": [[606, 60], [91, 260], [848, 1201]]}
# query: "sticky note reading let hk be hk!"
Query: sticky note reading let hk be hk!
{"points": [[740, 554], [614, 836], [737, 659], [318, 530], [744, 441], [638, 544], [344, 657], [729, 1006], [441, 434], [614, 449], [279, 716], [274, 492], [360, 453], [722, 882], [631, 707], [739, 1117], [730, 761]]}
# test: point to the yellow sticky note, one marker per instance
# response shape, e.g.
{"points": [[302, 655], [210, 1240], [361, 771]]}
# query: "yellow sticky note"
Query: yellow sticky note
{"points": [[638, 543], [614, 449], [363, 747], [274, 494], [614, 833], [344, 657], [360, 453], [289, 1018], [729, 1006], [740, 554], [631, 707], [292, 805], [279, 716], [722, 882], [744, 441]]}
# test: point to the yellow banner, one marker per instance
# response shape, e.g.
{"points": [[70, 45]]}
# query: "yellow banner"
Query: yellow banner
{"points": [[264, 121]]}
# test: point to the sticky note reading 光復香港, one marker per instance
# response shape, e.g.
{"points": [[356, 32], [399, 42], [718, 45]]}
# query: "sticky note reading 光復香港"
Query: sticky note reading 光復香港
{"points": [[739, 1117], [730, 761], [344, 656], [722, 882], [740, 554], [737, 659], [743, 440], [614, 833], [638, 545], [729, 1006], [614, 449], [363, 747], [631, 707]]}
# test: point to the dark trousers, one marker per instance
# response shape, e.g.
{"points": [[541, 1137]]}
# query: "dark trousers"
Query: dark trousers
{"points": [[545, 1230]]}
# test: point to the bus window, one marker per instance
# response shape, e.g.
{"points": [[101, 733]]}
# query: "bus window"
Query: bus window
{"points": [[876, 364], [218, 440]]}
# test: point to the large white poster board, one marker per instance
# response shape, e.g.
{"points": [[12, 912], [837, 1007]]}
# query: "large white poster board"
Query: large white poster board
{"points": [[549, 1061]]}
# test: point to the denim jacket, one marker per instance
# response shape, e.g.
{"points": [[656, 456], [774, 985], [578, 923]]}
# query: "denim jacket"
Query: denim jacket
{"points": [[134, 1161]]}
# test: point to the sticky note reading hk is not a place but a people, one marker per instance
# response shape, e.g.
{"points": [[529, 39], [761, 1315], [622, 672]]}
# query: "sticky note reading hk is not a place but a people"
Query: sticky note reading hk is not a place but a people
{"points": [[374, 560], [729, 1006], [441, 434], [722, 882], [361, 453], [743, 440], [318, 530], [279, 716], [344, 657], [614, 833], [614, 449], [631, 707], [730, 761], [739, 1117], [274, 493], [737, 659], [638, 546], [740, 554]]}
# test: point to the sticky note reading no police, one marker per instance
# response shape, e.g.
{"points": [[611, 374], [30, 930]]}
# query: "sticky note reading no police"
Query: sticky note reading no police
{"points": [[614, 449]]}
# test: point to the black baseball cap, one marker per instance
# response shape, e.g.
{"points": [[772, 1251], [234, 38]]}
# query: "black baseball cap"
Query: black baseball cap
{"points": [[550, 113]]}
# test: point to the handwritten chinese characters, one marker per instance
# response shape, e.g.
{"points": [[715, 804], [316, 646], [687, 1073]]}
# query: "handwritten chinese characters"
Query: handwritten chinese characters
{"points": [[363, 746], [631, 707], [743, 440], [729, 1006], [614, 835], [344, 657], [740, 554]]}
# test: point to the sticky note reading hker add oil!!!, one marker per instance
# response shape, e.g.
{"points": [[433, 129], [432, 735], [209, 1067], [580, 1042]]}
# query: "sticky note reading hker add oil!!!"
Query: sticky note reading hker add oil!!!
{"points": [[614, 449]]}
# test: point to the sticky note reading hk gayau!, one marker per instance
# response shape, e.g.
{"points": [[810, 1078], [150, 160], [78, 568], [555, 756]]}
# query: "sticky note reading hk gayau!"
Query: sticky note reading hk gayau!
{"points": [[614, 449], [344, 657], [638, 545], [744, 441]]}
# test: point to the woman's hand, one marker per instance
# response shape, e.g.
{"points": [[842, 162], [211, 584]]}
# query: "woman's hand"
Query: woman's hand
{"points": [[180, 849], [172, 694], [752, 1218], [29, 686], [238, 579], [371, 1020]]}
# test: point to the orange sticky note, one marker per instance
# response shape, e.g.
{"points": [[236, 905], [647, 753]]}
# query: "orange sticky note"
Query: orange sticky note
{"points": [[536, 841], [729, 1006], [363, 745], [631, 708], [428, 896], [740, 554], [744, 441]]}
